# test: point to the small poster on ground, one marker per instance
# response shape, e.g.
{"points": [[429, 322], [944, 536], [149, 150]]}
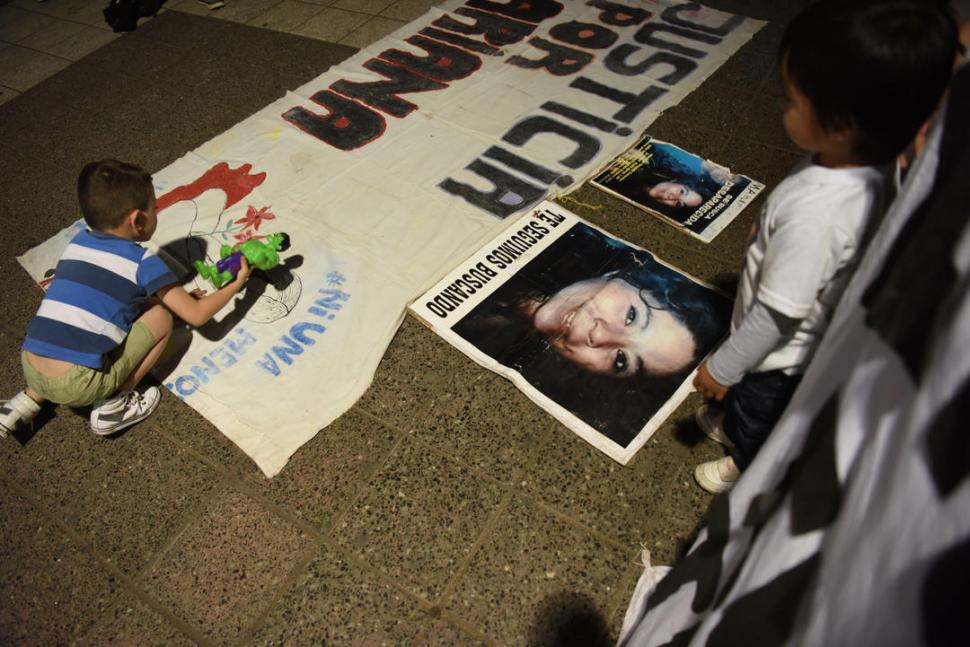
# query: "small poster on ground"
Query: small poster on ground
{"points": [[603, 335], [687, 191]]}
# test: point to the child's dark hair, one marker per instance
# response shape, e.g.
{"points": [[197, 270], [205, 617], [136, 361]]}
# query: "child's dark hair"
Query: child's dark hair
{"points": [[109, 190], [876, 66]]}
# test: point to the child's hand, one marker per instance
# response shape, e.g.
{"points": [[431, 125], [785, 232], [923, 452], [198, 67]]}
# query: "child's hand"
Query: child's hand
{"points": [[198, 293], [707, 385], [243, 274]]}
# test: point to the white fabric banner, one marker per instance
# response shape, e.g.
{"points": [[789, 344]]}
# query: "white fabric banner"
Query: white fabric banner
{"points": [[391, 167]]}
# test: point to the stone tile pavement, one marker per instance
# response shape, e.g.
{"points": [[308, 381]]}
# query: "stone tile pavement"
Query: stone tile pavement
{"points": [[443, 509]]}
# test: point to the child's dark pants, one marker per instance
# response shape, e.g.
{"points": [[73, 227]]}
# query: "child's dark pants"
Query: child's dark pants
{"points": [[751, 409]]}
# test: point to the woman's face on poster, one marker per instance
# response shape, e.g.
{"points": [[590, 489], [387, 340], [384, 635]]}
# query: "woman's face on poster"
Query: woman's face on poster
{"points": [[610, 327], [675, 194]]}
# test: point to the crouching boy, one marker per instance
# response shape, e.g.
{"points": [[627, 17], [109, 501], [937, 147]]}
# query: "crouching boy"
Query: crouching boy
{"points": [[107, 315]]}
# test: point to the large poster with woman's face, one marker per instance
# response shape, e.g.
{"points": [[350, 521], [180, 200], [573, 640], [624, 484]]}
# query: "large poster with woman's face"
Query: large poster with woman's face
{"points": [[602, 334]]}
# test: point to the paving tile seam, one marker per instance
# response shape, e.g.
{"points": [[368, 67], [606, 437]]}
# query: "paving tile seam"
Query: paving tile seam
{"points": [[706, 254], [624, 588], [745, 137], [39, 499], [490, 524], [179, 9], [760, 41], [347, 40], [229, 17], [193, 514], [540, 502], [47, 160], [588, 213], [457, 458], [569, 520], [773, 72], [167, 616], [473, 631], [245, 483], [512, 486], [375, 572], [326, 539], [155, 42], [71, 504], [280, 590], [425, 636], [196, 513], [48, 16], [291, 30], [441, 452], [126, 584], [750, 45], [424, 604], [330, 541], [673, 113], [26, 44], [511, 491], [282, 512], [38, 51], [476, 471], [224, 471], [364, 482], [356, 11], [377, 417], [746, 134], [283, 589]]}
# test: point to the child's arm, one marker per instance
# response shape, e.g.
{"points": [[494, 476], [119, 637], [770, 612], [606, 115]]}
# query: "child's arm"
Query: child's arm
{"points": [[761, 331], [196, 310]]}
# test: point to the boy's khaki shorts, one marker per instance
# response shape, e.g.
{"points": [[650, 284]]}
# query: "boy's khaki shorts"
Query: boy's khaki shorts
{"points": [[83, 385]]}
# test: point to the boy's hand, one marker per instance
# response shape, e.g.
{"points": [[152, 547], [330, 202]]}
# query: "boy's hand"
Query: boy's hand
{"points": [[244, 271], [707, 385], [197, 307]]}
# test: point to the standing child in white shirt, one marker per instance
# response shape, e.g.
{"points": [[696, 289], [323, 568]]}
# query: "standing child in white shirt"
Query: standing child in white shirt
{"points": [[860, 78]]}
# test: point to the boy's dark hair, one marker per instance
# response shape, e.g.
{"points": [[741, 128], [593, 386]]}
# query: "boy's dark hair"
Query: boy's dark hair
{"points": [[877, 66], [109, 190]]}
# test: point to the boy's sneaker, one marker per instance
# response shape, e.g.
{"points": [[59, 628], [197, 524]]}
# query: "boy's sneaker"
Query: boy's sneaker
{"points": [[123, 410], [717, 476], [212, 4], [711, 421], [18, 410]]}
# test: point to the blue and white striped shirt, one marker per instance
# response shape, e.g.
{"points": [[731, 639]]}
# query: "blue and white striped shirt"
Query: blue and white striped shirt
{"points": [[99, 288]]}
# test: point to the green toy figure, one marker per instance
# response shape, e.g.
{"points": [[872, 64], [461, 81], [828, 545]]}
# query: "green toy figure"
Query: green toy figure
{"points": [[260, 254]]}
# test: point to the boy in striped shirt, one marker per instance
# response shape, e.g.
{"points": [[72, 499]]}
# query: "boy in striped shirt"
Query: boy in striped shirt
{"points": [[107, 315]]}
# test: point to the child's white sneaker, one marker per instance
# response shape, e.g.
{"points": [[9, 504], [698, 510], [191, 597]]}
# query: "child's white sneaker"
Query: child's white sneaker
{"points": [[18, 410], [123, 410], [711, 421], [717, 476]]}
